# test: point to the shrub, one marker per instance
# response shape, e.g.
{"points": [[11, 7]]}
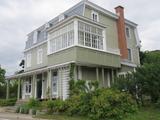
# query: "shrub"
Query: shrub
{"points": [[18, 109], [111, 104], [102, 104], [24, 109], [34, 111], [9, 102], [55, 106], [33, 103]]}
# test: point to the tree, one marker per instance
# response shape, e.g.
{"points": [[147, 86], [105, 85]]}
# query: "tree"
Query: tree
{"points": [[2, 75], [146, 80]]}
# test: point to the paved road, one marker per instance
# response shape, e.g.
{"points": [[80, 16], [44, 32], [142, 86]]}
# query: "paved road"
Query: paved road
{"points": [[14, 116]]}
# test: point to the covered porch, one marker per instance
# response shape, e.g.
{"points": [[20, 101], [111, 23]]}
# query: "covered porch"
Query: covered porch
{"points": [[44, 83]]}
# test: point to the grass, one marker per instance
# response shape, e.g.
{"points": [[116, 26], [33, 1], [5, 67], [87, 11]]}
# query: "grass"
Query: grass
{"points": [[60, 117], [145, 113]]}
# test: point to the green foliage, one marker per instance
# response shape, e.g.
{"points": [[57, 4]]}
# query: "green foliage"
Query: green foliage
{"points": [[34, 111], [18, 109], [33, 103], [9, 102], [101, 104], [55, 106], [81, 86], [2, 75], [111, 104], [24, 109]]}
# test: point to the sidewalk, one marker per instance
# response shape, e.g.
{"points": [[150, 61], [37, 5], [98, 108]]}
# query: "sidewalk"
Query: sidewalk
{"points": [[16, 116]]}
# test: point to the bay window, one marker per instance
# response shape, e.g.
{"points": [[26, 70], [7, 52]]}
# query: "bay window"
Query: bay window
{"points": [[77, 33], [62, 38], [90, 36]]}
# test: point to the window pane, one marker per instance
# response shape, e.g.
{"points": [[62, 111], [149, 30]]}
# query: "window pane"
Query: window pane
{"points": [[90, 36], [62, 38]]}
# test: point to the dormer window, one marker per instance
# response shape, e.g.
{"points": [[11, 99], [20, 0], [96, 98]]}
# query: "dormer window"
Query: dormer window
{"points": [[35, 36], [61, 17], [94, 16]]}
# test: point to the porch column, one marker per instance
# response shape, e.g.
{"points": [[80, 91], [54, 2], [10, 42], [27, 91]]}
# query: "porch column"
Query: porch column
{"points": [[108, 79], [43, 81], [97, 74], [75, 73], [49, 84], [7, 94], [112, 72], [79, 72], [34, 86], [18, 91], [103, 77]]}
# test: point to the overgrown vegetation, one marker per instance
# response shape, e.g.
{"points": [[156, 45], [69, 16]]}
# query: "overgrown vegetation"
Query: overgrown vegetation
{"points": [[145, 82], [9, 102]]}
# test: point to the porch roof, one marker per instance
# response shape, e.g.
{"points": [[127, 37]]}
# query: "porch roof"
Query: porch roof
{"points": [[11, 77], [40, 70]]}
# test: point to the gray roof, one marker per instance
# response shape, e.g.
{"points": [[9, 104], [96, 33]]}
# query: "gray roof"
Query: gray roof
{"points": [[42, 32], [78, 9]]}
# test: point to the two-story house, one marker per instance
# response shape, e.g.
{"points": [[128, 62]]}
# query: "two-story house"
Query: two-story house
{"points": [[101, 44]]}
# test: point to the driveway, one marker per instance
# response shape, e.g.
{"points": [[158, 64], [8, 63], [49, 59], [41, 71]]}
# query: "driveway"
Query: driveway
{"points": [[15, 116]]}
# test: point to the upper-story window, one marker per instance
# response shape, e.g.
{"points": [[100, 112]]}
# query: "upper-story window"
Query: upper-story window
{"points": [[62, 38], [129, 54], [61, 17], [35, 36], [39, 56], [90, 36], [28, 60], [95, 16], [128, 35]]}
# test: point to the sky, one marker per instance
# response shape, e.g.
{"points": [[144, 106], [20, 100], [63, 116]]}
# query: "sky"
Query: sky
{"points": [[20, 17]]}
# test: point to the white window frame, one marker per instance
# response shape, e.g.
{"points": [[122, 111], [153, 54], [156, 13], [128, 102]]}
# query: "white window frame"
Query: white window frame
{"points": [[129, 32], [61, 17], [28, 60], [35, 36], [99, 47], [39, 56], [130, 53], [28, 83], [94, 13]]}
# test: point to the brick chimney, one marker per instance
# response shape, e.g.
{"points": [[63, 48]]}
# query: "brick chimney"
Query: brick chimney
{"points": [[121, 32]]}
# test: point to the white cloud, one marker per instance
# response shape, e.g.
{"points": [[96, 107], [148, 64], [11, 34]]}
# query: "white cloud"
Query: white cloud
{"points": [[19, 17]]}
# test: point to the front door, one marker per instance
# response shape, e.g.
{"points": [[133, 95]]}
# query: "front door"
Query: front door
{"points": [[54, 84], [39, 86]]}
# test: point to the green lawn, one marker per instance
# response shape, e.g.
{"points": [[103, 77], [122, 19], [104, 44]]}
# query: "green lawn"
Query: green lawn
{"points": [[146, 113]]}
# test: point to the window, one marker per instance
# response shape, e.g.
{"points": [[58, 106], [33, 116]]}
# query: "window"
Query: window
{"points": [[28, 86], [94, 16], [128, 32], [28, 60], [61, 17], [62, 38], [129, 54], [90, 36], [39, 56], [35, 36]]}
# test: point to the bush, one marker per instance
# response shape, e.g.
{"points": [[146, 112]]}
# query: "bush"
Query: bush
{"points": [[9, 102], [34, 111], [111, 104], [18, 109], [53, 106], [102, 104], [33, 103], [24, 109]]}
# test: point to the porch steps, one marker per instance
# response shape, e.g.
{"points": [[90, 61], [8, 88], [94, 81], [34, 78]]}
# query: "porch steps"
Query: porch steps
{"points": [[20, 102]]}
